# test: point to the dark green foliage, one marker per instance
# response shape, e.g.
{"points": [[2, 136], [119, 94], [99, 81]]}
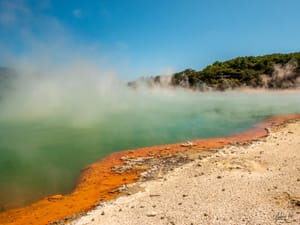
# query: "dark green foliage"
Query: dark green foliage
{"points": [[243, 71]]}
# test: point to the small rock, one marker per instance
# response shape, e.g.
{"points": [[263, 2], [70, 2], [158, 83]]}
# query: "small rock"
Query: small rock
{"points": [[124, 158], [102, 213], [151, 214], [184, 195], [187, 144], [219, 177], [154, 195], [55, 198], [297, 202]]}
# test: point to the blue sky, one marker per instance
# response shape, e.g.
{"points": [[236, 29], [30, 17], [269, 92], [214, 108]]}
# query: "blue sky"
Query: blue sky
{"points": [[150, 37]]}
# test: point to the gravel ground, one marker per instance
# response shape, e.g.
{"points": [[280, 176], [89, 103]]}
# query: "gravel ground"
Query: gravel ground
{"points": [[257, 183]]}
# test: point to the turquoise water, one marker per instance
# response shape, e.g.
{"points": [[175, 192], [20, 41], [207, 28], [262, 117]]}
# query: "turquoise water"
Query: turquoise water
{"points": [[45, 141]]}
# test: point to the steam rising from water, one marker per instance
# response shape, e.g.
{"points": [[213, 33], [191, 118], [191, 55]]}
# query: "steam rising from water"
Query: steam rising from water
{"points": [[284, 76], [77, 92], [55, 119], [81, 94], [67, 108]]}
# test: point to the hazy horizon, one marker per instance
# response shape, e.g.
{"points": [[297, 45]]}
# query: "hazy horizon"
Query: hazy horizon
{"points": [[142, 38]]}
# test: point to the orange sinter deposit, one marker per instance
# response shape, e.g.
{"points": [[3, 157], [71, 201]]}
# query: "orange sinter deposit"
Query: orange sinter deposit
{"points": [[99, 181]]}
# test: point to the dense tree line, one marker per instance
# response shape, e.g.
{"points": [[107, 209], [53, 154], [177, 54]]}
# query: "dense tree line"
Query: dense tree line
{"points": [[269, 71]]}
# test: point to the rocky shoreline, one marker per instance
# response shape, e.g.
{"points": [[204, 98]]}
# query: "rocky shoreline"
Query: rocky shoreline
{"points": [[112, 176], [256, 182]]}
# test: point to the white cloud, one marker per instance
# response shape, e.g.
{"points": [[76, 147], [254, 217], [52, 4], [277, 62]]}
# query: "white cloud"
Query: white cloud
{"points": [[77, 13]]}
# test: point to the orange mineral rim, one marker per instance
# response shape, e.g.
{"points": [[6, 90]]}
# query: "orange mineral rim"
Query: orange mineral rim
{"points": [[98, 181]]}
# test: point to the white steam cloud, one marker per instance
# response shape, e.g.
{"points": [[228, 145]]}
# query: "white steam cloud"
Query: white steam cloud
{"points": [[68, 88], [284, 76]]}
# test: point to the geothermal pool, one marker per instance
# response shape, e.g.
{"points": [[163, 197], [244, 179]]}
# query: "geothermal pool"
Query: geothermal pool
{"points": [[46, 138]]}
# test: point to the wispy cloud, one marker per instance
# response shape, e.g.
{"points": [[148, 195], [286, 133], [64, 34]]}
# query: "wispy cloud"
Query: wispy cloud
{"points": [[28, 33], [12, 12], [24, 30], [77, 13]]}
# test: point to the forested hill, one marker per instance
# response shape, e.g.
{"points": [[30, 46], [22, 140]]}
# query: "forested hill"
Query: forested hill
{"points": [[275, 71]]}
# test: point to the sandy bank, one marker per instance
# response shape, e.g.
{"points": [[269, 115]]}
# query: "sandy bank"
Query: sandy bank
{"points": [[108, 178], [253, 183]]}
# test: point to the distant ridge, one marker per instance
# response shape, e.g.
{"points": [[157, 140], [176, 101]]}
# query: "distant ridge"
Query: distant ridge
{"points": [[274, 71]]}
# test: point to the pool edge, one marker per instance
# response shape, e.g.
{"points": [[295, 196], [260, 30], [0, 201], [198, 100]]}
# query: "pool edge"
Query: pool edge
{"points": [[98, 181]]}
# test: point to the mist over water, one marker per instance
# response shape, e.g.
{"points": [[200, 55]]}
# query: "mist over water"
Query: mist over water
{"points": [[55, 122], [66, 107]]}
